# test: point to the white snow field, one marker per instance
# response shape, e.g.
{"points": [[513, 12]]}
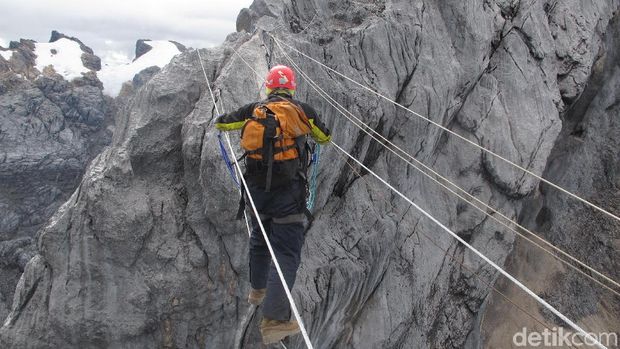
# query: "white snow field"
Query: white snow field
{"points": [[64, 55], [6, 54], [113, 77]]}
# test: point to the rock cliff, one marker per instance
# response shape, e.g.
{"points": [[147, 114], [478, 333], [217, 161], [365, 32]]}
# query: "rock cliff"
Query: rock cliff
{"points": [[146, 253], [50, 129]]}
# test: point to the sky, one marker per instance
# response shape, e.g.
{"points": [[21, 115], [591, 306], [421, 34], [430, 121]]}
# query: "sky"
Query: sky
{"points": [[111, 27]]}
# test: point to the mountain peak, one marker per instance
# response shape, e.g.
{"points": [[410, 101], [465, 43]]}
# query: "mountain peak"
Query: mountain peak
{"points": [[56, 35], [145, 45]]}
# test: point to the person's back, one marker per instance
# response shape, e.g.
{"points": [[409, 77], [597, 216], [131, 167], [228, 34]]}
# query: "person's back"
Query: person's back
{"points": [[273, 136]]}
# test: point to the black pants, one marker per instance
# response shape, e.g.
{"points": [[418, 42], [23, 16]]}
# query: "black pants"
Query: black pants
{"points": [[282, 216]]}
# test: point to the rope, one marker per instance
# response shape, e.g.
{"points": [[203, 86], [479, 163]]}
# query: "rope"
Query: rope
{"points": [[383, 140], [455, 134], [478, 253], [519, 284], [454, 260], [315, 161], [260, 223], [249, 66], [486, 259]]}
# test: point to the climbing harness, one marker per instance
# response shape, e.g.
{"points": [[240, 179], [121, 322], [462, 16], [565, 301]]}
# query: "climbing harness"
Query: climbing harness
{"points": [[258, 220]]}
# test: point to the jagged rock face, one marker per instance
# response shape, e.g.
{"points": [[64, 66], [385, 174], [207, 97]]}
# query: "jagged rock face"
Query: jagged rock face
{"points": [[144, 76], [586, 160], [146, 254], [50, 129], [179, 46], [143, 47], [22, 60]]}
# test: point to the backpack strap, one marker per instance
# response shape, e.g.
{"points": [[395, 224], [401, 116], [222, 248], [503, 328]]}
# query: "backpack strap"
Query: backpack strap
{"points": [[269, 138], [241, 208]]}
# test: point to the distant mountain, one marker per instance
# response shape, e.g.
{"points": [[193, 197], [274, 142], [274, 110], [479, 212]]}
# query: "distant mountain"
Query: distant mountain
{"points": [[71, 59], [149, 53], [56, 114]]}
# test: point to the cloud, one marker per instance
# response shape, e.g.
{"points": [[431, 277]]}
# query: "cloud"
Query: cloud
{"points": [[113, 26], [3, 42]]}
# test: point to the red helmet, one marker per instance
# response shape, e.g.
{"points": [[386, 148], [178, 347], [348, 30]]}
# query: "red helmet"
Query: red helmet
{"points": [[281, 76]]}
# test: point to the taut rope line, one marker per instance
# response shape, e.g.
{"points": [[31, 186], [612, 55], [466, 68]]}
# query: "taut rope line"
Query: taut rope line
{"points": [[340, 109], [575, 196], [478, 253]]}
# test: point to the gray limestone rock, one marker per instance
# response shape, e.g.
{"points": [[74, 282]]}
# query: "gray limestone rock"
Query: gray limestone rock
{"points": [[50, 129], [179, 46], [146, 252], [245, 21], [585, 160], [91, 61], [142, 47], [144, 76]]}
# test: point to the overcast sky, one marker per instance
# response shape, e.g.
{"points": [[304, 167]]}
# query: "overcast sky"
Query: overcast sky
{"points": [[111, 27]]}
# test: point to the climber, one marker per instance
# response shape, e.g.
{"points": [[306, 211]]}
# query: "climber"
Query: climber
{"points": [[274, 133]]}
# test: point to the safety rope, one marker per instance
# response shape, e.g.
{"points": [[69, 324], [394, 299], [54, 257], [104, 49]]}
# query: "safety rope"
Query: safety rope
{"points": [[575, 196], [368, 130], [486, 259], [482, 256], [260, 223], [452, 257], [478, 253], [519, 284]]}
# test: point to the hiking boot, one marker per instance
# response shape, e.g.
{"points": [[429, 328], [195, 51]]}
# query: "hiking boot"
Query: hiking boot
{"points": [[274, 331], [256, 296]]}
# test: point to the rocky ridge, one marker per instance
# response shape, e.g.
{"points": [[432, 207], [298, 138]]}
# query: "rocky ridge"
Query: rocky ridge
{"points": [[50, 130], [145, 252]]}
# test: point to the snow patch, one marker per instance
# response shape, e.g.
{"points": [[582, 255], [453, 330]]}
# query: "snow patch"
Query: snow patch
{"points": [[113, 76], [64, 55], [6, 54]]}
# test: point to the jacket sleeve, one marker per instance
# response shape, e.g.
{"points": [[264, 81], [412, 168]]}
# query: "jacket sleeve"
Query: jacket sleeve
{"points": [[320, 132], [236, 119]]}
